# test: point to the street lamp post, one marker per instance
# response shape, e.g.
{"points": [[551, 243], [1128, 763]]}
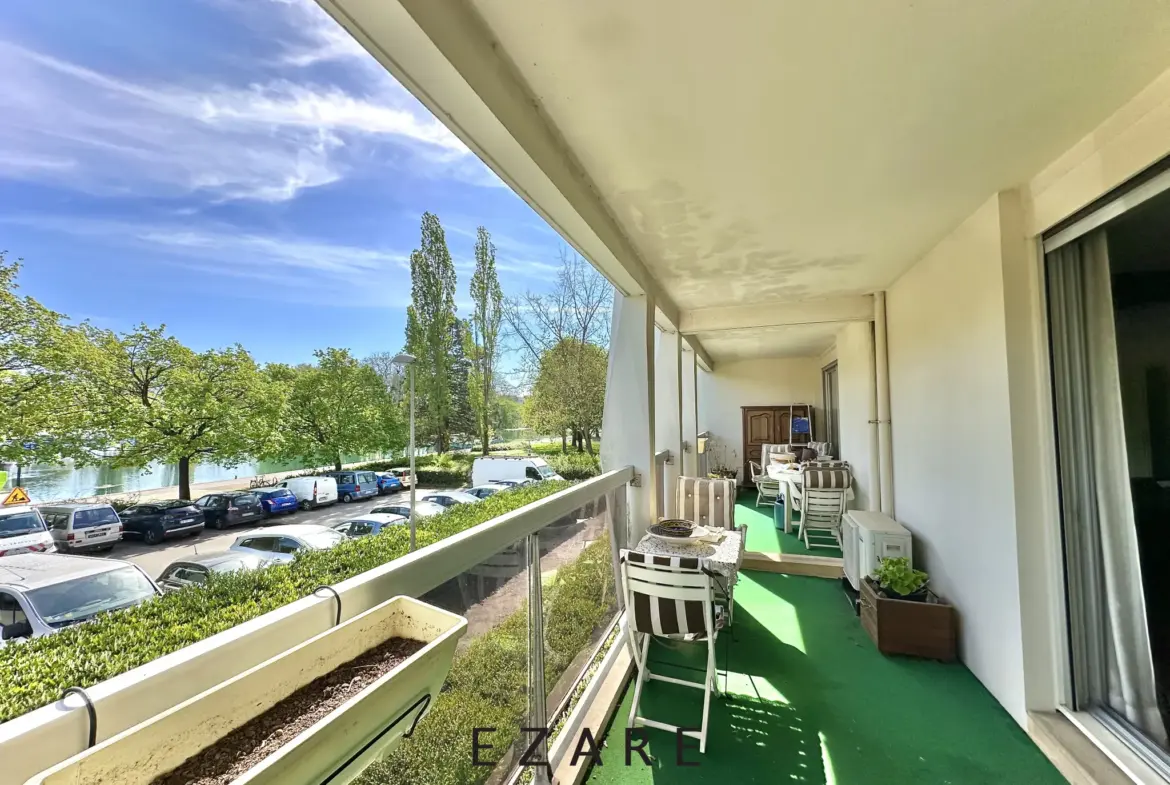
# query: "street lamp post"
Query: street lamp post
{"points": [[408, 360]]}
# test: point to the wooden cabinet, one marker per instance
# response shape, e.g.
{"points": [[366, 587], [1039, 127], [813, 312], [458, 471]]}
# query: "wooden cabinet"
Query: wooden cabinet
{"points": [[772, 425]]}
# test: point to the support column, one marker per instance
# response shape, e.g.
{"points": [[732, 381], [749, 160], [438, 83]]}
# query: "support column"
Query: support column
{"points": [[627, 437], [690, 402], [882, 377], [668, 407]]}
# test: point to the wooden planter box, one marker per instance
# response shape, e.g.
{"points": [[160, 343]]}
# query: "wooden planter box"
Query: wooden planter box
{"points": [[920, 629]]}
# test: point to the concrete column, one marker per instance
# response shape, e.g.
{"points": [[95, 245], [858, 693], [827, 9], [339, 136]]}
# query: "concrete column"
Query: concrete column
{"points": [[690, 401], [627, 437], [668, 422]]}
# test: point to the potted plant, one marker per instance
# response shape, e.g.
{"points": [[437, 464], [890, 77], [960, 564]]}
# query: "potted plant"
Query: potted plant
{"points": [[721, 461], [903, 616], [900, 581]]}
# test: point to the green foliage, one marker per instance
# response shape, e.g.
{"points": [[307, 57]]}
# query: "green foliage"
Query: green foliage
{"points": [[575, 466], [430, 330], [507, 414], [338, 406], [488, 300], [151, 398], [569, 393], [897, 576], [488, 683], [36, 671], [31, 367]]}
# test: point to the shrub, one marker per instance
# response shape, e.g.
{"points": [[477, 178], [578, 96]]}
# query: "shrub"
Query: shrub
{"points": [[36, 671], [487, 686], [575, 465]]}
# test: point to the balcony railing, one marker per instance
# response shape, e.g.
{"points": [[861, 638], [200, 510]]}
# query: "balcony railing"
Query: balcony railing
{"points": [[536, 585]]}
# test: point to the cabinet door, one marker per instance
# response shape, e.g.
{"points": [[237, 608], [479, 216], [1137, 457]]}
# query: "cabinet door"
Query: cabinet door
{"points": [[760, 427]]}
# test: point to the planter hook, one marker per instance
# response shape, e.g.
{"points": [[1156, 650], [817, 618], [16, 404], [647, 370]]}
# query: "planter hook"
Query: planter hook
{"points": [[89, 709], [336, 598]]}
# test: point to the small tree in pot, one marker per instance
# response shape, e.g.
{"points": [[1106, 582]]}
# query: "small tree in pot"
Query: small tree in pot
{"points": [[900, 581]]}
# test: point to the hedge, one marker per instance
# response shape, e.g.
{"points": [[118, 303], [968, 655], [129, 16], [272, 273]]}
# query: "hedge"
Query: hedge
{"points": [[36, 671], [488, 683]]}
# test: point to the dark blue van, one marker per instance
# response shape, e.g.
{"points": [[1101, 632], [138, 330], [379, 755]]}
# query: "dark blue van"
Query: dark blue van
{"points": [[354, 485]]}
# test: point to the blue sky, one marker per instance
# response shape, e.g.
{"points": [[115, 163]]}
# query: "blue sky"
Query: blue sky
{"points": [[239, 170]]}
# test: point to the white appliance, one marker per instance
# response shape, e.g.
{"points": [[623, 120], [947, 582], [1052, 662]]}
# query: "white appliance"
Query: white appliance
{"points": [[867, 537]]}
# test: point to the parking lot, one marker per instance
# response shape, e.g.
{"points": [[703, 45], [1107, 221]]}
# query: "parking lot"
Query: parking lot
{"points": [[154, 559]]}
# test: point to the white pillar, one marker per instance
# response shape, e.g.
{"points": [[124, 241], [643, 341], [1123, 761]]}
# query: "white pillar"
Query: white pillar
{"points": [[882, 376], [668, 408], [627, 437], [690, 428]]}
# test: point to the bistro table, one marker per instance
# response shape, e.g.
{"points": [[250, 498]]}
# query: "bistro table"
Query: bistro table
{"points": [[791, 477], [724, 557]]}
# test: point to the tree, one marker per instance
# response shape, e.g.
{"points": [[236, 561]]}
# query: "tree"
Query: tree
{"points": [[578, 307], [462, 420], [338, 406], [31, 364], [391, 374], [146, 397], [429, 330], [488, 300], [507, 414], [569, 392]]}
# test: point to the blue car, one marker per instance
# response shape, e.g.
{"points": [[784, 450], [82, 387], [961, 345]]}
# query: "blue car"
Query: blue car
{"points": [[352, 486], [388, 483], [277, 501]]}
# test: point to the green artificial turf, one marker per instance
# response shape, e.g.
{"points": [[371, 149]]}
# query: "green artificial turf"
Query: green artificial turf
{"points": [[811, 700], [764, 537]]}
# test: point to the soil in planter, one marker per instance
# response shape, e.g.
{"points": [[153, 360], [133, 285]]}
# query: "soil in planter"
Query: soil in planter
{"points": [[248, 745]]}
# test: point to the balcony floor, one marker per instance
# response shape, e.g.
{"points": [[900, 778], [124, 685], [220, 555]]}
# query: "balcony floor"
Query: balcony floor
{"points": [[812, 701], [764, 537]]}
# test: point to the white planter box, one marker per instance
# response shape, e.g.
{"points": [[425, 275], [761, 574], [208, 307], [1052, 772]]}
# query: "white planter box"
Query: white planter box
{"points": [[339, 746]]}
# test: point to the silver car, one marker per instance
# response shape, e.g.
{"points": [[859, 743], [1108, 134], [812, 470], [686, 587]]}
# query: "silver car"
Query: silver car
{"points": [[281, 543], [195, 570], [42, 593], [370, 523]]}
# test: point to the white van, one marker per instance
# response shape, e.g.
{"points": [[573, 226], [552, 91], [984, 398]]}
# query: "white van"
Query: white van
{"points": [[23, 530], [311, 492], [511, 468], [77, 528]]}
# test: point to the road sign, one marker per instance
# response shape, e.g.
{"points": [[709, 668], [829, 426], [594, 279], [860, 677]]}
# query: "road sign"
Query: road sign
{"points": [[16, 496]]}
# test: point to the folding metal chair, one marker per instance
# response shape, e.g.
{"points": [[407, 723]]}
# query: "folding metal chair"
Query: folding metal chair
{"points": [[670, 597]]}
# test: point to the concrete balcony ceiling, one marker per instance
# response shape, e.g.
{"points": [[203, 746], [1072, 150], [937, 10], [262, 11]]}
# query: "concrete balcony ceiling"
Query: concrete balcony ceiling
{"points": [[763, 151]]}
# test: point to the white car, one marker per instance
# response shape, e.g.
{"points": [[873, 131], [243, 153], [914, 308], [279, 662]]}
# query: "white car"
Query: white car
{"points": [[451, 498], [23, 530], [281, 543], [41, 593], [311, 492], [370, 523], [492, 468]]}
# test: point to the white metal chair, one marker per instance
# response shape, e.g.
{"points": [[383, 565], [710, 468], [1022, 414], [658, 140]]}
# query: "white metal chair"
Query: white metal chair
{"points": [[822, 504], [766, 488], [670, 597]]}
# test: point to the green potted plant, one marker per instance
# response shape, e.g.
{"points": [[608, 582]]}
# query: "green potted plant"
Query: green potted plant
{"points": [[900, 581]]}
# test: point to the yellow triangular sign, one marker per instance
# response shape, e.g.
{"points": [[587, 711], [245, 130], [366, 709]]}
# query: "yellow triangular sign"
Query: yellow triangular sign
{"points": [[17, 496]]}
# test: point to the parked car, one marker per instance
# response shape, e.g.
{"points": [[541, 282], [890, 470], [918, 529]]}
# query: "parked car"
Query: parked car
{"points": [[484, 491], [23, 530], [388, 483], [195, 570], [371, 523], [41, 593], [155, 521], [277, 501], [451, 498], [312, 492], [77, 528], [492, 468], [513, 483], [403, 475], [221, 510], [280, 543], [422, 508], [354, 485]]}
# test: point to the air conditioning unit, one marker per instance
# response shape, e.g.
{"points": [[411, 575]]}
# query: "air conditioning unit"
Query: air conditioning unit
{"points": [[867, 537]]}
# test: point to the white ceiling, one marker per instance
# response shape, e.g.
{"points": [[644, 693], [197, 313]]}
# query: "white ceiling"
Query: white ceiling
{"points": [[799, 340], [759, 150]]}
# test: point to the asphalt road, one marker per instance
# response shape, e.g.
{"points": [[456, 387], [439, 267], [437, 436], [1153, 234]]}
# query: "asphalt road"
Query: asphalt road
{"points": [[154, 559]]}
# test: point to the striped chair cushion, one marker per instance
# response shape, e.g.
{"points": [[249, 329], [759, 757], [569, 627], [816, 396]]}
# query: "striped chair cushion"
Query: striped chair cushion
{"points": [[823, 449], [661, 616], [827, 464], [707, 502], [827, 478]]}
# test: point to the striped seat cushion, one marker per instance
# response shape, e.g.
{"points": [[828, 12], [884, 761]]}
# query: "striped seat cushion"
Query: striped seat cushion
{"points": [[707, 502], [827, 478], [666, 617]]}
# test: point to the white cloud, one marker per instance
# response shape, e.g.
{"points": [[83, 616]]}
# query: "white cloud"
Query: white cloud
{"points": [[269, 140]]}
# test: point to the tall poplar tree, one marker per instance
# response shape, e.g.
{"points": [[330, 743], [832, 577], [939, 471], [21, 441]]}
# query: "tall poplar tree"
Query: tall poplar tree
{"points": [[430, 330], [488, 301]]}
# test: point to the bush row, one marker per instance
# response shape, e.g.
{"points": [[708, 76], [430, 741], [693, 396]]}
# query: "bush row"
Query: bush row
{"points": [[35, 672], [488, 683]]}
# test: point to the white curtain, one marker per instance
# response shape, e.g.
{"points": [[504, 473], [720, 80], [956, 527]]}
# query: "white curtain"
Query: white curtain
{"points": [[1111, 642]]}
